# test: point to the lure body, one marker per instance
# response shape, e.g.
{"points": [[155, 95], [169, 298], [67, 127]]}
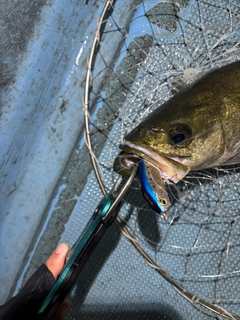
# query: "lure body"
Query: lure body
{"points": [[153, 188]]}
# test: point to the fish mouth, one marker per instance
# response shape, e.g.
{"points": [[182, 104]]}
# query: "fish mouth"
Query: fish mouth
{"points": [[170, 166]]}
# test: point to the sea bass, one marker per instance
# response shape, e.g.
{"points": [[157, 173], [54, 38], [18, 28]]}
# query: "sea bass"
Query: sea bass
{"points": [[198, 128]]}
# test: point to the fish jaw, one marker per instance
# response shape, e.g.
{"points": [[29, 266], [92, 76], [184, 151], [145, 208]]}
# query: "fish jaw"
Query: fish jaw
{"points": [[171, 168]]}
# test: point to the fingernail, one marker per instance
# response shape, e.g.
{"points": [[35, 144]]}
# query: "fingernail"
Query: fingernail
{"points": [[60, 248]]}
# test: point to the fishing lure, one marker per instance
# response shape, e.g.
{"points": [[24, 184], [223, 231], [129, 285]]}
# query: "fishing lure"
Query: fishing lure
{"points": [[152, 187]]}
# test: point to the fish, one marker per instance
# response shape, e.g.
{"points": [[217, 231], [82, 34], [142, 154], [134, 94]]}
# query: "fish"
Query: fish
{"points": [[196, 129]]}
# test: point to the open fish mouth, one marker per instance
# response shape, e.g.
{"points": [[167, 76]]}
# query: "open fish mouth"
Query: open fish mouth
{"points": [[154, 170], [170, 167]]}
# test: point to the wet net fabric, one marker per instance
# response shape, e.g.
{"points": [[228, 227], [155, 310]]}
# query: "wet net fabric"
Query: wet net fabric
{"points": [[165, 46]]}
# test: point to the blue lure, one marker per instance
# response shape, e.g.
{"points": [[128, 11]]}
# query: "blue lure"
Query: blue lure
{"points": [[153, 188]]}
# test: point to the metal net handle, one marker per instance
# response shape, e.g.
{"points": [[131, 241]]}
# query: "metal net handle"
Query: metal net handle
{"points": [[193, 299]]}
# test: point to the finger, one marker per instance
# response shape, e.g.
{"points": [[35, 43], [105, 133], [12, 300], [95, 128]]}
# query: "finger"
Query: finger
{"points": [[56, 261]]}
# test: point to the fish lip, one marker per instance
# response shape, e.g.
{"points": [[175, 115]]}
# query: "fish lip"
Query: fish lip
{"points": [[159, 160], [128, 146]]}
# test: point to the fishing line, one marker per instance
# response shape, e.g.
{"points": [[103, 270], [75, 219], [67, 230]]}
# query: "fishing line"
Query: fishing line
{"points": [[131, 119]]}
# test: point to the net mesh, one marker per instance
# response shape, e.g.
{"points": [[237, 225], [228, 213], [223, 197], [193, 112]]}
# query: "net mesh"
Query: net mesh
{"points": [[164, 47]]}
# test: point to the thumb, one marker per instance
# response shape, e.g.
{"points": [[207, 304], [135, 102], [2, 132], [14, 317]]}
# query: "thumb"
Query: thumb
{"points": [[56, 261]]}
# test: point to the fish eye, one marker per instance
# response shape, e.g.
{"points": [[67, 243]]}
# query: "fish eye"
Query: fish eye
{"points": [[180, 134], [162, 201], [178, 138]]}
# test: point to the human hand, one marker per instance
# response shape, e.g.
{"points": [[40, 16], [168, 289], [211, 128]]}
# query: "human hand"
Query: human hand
{"points": [[27, 302]]}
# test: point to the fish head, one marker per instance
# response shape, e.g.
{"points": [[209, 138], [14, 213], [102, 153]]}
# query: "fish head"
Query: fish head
{"points": [[184, 134]]}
